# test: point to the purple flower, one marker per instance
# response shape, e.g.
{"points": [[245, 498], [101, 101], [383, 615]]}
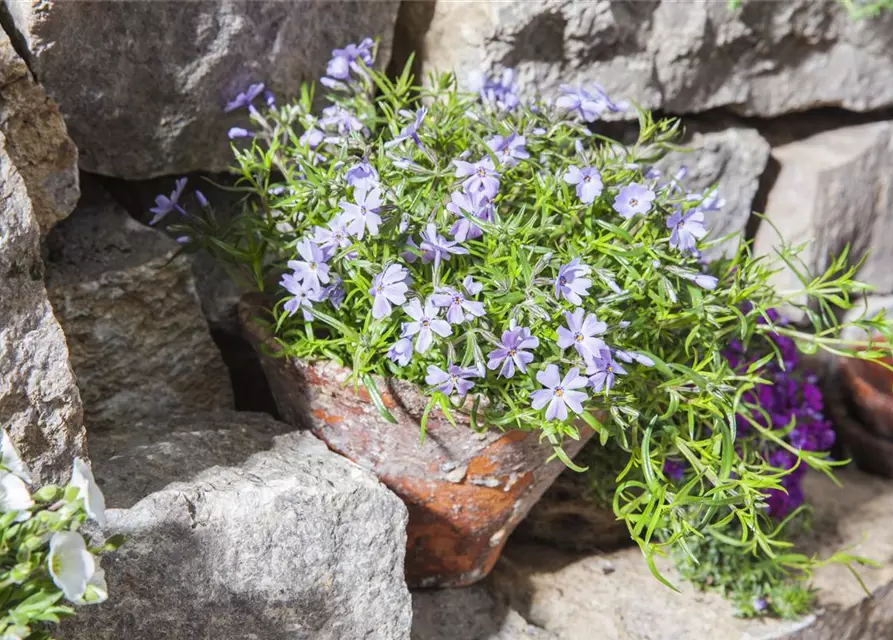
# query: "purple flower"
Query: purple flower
{"points": [[582, 329], [245, 98], [469, 206], [436, 248], [202, 200], [588, 181], [165, 204], [602, 369], [589, 105], [572, 282], [687, 229], [334, 293], [633, 356], [304, 295], [362, 176], [409, 257], [312, 138], [702, 280], [388, 287], [674, 469], [343, 60], [239, 132], [559, 394], [509, 149], [401, 351], [312, 270], [633, 199], [510, 352], [333, 237], [363, 214], [425, 324], [410, 131], [479, 176], [453, 379], [341, 120], [501, 92], [459, 308]]}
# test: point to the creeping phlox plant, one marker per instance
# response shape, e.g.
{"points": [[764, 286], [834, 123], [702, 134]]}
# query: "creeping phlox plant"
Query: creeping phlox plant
{"points": [[524, 269], [43, 559]]}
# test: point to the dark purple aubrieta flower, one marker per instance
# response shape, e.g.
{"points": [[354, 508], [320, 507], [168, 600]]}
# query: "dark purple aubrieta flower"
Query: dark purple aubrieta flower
{"points": [[238, 132], [388, 287], [303, 295], [312, 270], [469, 206], [362, 176], [601, 371], [424, 325], [581, 333], [559, 395], [588, 181], [165, 204], [410, 131], [401, 351], [245, 98], [511, 352], [480, 176], [633, 199], [435, 247], [674, 469], [454, 379], [572, 282], [509, 149], [362, 214], [459, 308], [687, 228], [589, 105], [334, 236]]}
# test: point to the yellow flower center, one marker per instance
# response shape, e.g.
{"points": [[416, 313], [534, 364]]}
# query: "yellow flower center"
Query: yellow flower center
{"points": [[633, 202], [578, 337], [559, 392]]}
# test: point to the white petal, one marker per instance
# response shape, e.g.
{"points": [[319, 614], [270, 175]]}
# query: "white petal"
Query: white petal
{"points": [[70, 564], [12, 460], [14, 495], [97, 590], [89, 492]]}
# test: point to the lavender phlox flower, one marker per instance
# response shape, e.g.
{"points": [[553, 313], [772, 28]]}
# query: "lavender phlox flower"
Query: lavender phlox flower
{"points": [[509, 149], [362, 176], [165, 204], [511, 352], [410, 131], [559, 394], [388, 288], [401, 351], [686, 229], [703, 280], [588, 104], [303, 294], [334, 236], [602, 369], [245, 98], [363, 213], [633, 199], [712, 202], [436, 247], [588, 181], [269, 99], [313, 269], [202, 200], [459, 307], [633, 356], [239, 132], [469, 206], [343, 60], [409, 257], [342, 121], [334, 293], [572, 283], [653, 173], [581, 333], [312, 138], [500, 91], [609, 281], [425, 324], [480, 176], [454, 379]]}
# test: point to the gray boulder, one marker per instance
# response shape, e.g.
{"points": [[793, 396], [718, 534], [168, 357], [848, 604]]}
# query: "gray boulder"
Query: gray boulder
{"points": [[36, 140], [39, 400], [762, 59], [145, 96], [138, 340], [297, 543]]}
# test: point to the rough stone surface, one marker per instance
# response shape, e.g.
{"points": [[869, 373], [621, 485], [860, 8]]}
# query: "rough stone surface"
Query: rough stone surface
{"points": [[36, 140], [296, 544], [871, 619], [731, 156], [39, 400], [764, 58], [834, 189], [139, 343], [145, 97]]}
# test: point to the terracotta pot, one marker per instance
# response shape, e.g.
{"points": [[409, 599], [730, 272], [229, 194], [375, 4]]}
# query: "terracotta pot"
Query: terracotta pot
{"points": [[465, 491], [871, 389]]}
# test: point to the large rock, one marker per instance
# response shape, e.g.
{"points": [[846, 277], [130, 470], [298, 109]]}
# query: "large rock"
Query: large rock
{"points": [[765, 58], [834, 190], [138, 340], [36, 140], [39, 400], [142, 85], [297, 543], [871, 619]]}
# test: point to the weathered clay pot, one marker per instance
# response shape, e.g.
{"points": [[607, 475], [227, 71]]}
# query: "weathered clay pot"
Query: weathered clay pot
{"points": [[871, 389], [465, 491]]}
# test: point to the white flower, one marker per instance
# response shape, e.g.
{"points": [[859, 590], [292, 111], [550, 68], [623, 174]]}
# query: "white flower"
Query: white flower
{"points": [[14, 496], [11, 459], [94, 501], [74, 569]]}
